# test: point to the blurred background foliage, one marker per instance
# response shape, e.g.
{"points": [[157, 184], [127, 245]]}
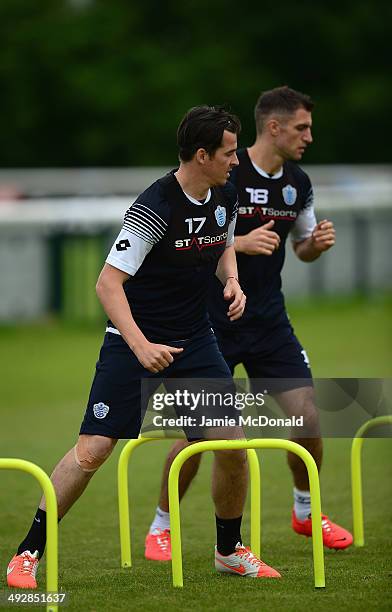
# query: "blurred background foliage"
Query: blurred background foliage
{"points": [[93, 82]]}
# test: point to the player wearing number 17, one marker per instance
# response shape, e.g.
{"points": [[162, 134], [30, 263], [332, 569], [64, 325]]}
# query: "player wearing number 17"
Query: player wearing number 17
{"points": [[176, 236]]}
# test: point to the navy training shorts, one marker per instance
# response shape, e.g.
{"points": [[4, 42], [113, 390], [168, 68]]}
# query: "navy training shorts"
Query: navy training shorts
{"points": [[273, 352], [114, 406]]}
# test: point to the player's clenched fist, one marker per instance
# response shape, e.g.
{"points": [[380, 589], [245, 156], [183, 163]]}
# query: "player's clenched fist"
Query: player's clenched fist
{"points": [[156, 357], [233, 292], [323, 236], [260, 241]]}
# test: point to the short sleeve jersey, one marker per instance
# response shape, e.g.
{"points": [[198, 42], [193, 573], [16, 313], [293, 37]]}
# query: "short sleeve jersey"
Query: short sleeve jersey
{"points": [[287, 198], [170, 245]]}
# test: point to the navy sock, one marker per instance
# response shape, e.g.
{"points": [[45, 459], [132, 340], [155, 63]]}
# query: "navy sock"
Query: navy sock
{"points": [[228, 534]]}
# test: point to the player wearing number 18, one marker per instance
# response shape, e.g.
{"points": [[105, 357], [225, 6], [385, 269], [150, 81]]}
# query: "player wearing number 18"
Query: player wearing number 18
{"points": [[275, 202]]}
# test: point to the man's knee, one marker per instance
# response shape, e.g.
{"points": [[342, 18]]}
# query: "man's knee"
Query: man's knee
{"points": [[301, 403], [231, 459], [311, 420], [92, 451]]}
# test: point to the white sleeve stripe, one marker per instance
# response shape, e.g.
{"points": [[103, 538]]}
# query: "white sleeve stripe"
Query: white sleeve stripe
{"points": [[146, 212], [234, 211], [145, 219], [136, 227], [139, 227], [152, 213], [309, 198], [145, 224], [139, 234]]}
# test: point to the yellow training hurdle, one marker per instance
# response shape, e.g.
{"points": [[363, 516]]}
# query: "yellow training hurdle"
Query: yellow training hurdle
{"points": [[51, 525], [199, 447], [356, 478], [124, 505], [175, 526]]}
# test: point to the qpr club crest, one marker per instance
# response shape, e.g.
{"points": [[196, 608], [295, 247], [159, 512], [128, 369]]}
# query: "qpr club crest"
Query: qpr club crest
{"points": [[220, 215], [100, 410], [289, 195]]}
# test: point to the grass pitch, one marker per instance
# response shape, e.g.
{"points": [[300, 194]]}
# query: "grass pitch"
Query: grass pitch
{"points": [[46, 372]]}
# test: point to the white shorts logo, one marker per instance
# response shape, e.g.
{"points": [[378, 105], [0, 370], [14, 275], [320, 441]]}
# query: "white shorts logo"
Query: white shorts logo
{"points": [[306, 358], [100, 410]]}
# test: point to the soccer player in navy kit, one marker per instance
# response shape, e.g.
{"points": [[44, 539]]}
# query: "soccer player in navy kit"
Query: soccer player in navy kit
{"points": [[275, 200], [153, 287]]}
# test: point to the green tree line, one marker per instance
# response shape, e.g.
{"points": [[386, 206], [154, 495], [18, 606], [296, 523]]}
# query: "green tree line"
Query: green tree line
{"points": [[99, 82]]}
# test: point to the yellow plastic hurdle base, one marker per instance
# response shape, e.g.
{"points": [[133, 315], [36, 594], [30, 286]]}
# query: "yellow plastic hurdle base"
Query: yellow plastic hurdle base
{"points": [[356, 476], [199, 447], [124, 505], [51, 524]]}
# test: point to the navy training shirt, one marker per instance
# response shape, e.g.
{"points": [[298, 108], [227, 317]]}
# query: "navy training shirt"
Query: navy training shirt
{"points": [[170, 245], [287, 198]]}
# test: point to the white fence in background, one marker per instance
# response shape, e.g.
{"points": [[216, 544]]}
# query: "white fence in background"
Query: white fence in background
{"points": [[53, 242]]}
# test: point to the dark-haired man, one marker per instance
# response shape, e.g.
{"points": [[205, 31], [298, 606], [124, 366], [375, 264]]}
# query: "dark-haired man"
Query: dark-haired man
{"points": [[154, 293], [275, 199]]}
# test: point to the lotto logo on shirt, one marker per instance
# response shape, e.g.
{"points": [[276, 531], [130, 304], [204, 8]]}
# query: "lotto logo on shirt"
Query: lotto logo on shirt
{"points": [[123, 245]]}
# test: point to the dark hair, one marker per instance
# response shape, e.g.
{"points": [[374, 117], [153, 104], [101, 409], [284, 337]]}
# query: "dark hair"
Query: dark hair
{"points": [[202, 128], [281, 100]]}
